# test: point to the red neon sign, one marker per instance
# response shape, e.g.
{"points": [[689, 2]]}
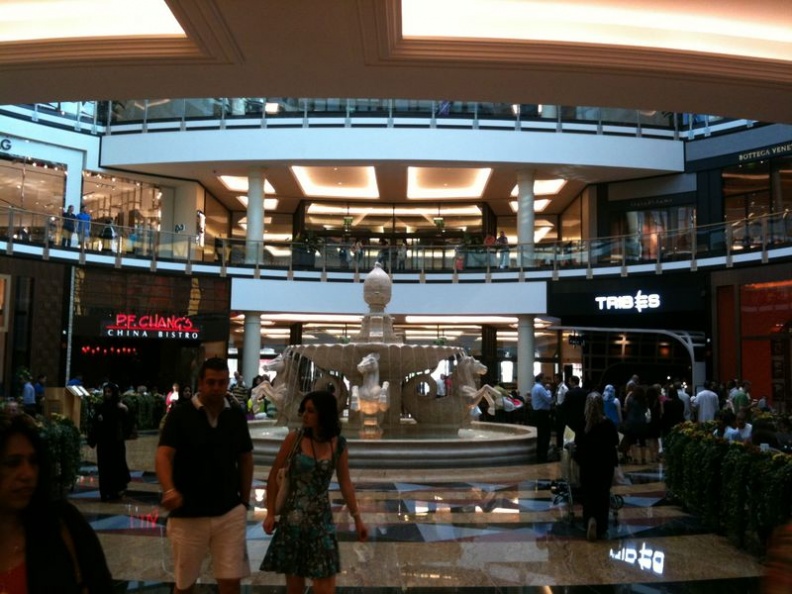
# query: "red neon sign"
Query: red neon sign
{"points": [[129, 325], [152, 322]]}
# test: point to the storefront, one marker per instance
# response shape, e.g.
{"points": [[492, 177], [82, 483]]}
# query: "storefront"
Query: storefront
{"points": [[754, 330], [653, 326], [142, 329]]}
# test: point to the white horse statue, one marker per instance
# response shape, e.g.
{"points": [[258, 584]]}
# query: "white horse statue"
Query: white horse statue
{"points": [[370, 398], [454, 409], [286, 400]]}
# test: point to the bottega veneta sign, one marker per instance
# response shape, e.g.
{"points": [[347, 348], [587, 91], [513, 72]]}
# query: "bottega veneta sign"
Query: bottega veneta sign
{"points": [[128, 325]]}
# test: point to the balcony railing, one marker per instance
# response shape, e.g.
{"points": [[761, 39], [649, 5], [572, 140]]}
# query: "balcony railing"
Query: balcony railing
{"points": [[142, 115], [758, 239]]}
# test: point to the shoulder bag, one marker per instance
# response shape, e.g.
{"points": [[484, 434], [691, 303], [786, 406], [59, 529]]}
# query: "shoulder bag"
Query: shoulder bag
{"points": [[283, 476]]}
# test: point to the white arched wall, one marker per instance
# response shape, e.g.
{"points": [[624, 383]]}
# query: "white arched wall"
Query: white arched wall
{"points": [[378, 145], [278, 296]]}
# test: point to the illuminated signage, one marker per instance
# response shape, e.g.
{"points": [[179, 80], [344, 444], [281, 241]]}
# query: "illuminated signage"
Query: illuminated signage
{"points": [[638, 302], [5, 144], [128, 325], [646, 558]]}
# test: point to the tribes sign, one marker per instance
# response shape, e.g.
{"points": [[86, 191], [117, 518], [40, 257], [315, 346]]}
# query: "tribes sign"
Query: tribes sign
{"points": [[152, 326], [638, 302]]}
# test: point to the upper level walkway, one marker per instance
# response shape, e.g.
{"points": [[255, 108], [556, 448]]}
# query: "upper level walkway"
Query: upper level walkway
{"points": [[754, 241]]}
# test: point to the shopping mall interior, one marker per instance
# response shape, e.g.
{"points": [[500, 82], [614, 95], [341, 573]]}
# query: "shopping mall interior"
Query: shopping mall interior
{"points": [[246, 164]]}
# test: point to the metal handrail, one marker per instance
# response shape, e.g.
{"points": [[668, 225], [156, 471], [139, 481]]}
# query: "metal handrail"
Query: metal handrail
{"points": [[726, 240]]}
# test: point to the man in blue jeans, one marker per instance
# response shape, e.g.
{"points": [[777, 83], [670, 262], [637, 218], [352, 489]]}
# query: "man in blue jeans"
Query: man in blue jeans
{"points": [[541, 402]]}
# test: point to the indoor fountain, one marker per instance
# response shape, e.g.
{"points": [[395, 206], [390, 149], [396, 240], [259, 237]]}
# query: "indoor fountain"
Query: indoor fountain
{"points": [[388, 378]]}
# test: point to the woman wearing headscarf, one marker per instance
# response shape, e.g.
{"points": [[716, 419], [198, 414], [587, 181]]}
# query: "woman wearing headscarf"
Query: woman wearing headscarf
{"points": [[595, 452], [108, 433], [612, 405]]}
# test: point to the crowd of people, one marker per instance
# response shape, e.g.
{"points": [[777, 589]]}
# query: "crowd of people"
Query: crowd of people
{"points": [[204, 464]]}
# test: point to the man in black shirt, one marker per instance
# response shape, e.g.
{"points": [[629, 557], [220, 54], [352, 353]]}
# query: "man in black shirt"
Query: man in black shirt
{"points": [[574, 406], [205, 468]]}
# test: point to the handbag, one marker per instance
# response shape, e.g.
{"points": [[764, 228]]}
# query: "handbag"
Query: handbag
{"points": [[283, 477]]}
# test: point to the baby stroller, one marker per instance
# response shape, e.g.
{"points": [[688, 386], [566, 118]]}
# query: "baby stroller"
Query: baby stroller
{"points": [[567, 487]]}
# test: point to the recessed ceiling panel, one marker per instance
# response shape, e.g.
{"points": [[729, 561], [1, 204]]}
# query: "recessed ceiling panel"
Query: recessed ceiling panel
{"points": [[662, 24], [337, 182], [31, 20], [432, 183]]}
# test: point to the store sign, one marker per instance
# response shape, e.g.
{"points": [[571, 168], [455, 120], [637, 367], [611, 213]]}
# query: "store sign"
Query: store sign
{"points": [[128, 325], [5, 144], [773, 151], [638, 302]]}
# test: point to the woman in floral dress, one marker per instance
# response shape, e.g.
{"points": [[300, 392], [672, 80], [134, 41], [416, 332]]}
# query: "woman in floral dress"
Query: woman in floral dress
{"points": [[305, 543]]}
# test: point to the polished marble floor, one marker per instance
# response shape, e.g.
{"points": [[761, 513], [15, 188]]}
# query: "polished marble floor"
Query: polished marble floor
{"points": [[488, 530]]}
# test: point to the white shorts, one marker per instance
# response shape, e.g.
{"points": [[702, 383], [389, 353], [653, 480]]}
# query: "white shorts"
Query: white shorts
{"points": [[222, 536]]}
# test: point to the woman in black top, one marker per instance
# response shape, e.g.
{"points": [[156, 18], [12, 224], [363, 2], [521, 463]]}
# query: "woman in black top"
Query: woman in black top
{"points": [[595, 452]]}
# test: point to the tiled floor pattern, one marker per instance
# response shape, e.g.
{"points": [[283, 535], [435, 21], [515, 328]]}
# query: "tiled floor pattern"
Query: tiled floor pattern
{"points": [[491, 530]]}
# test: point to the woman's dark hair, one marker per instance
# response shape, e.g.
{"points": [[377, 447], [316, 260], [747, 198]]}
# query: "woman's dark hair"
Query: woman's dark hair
{"points": [[24, 425], [671, 392], [327, 410]]}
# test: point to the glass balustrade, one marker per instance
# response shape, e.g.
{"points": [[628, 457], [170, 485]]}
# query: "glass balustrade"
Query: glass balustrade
{"points": [[19, 228]]}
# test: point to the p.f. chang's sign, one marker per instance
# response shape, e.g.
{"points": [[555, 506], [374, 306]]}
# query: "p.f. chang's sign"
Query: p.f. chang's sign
{"points": [[128, 325]]}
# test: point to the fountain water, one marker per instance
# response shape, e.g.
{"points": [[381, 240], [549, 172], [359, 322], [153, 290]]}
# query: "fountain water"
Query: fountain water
{"points": [[440, 433]]}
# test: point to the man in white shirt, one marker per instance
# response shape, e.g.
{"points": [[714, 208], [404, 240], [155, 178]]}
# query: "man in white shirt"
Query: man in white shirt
{"points": [[742, 432], [685, 398], [560, 392], [706, 404]]}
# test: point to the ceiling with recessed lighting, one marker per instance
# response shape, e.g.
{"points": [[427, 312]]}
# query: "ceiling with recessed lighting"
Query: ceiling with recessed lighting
{"points": [[730, 59]]}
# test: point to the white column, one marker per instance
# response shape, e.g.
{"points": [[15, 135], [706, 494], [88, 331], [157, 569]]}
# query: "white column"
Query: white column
{"points": [[251, 349], [526, 221], [525, 354], [255, 216]]}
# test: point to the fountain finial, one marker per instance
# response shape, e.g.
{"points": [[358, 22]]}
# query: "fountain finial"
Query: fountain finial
{"points": [[377, 326], [377, 289]]}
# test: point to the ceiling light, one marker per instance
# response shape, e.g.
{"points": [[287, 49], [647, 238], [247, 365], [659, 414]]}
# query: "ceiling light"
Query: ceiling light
{"points": [[460, 320], [539, 205], [544, 187], [316, 208], [297, 317], [24, 20], [269, 203], [357, 182], [663, 24], [430, 183], [239, 183]]}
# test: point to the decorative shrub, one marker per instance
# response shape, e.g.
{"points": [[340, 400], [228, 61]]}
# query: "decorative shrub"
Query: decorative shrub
{"points": [[145, 408], [63, 444], [736, 489]]}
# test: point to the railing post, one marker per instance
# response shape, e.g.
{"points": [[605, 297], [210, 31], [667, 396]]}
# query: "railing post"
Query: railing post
{"points": [[659, 258], [422, 276], [10, 238], [556, 253], [224, 253], [589, 271], [624, 255], [693, 249], [729, 241], [155, 247], [190, 244], [764, 240]]}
